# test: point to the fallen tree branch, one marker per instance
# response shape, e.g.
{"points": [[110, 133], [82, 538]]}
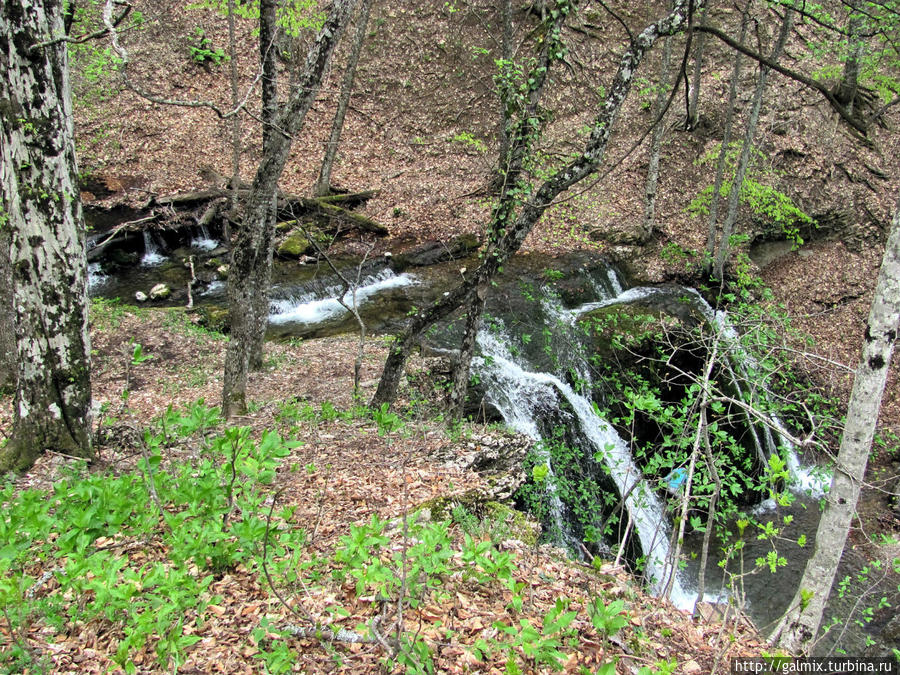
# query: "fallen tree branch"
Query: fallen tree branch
{"points": [[325, 634]]}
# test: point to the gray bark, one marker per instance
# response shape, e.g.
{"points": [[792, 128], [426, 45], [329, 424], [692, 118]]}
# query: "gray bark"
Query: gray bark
{"points": [[746, 148], [251, 258], [693, 111], [801, 623], [42, 209], [7, 317], [323, 183], [656, 141], [506, 49], [849, 85], [268, 35], [713, 220], [510, 224]]}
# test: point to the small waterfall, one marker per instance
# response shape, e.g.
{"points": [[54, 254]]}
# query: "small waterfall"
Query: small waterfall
{"points": [[305, 306], [152, 255], [520, 394], [813, 481], [95, 276], [205, 241]]}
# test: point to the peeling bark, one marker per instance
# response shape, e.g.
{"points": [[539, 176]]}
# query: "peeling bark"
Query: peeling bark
{"points": [[42, 209]]}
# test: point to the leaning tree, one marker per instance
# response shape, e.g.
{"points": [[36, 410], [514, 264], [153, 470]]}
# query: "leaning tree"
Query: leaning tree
{"points": [[521, 202], [41, 209]]}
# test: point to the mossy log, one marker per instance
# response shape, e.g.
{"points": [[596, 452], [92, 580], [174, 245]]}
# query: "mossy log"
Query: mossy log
{"points": [[333, 210]]}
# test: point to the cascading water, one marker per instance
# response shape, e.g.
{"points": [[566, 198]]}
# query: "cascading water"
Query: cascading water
{"points": [[205, 241], [533, 391], [519, 394], [305, 306], [152, 255]]}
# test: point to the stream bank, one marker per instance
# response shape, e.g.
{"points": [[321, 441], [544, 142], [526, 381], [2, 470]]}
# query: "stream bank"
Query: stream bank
{"points": [[531, 365]]}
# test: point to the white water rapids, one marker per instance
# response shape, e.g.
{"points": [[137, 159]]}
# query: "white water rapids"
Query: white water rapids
{"points": [[519, 394]]}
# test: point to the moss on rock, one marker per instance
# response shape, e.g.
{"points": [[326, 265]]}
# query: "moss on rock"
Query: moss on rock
{"points": [[294, 246]]}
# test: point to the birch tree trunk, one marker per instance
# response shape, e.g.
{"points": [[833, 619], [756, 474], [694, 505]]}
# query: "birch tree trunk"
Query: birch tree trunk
{"points": [[801, 622], [42, 209], [323, 183], [251, 257]]}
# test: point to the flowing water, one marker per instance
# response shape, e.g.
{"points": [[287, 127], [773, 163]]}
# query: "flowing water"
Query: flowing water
{"points": [[204, 240], [534, 371], [152, 255]]}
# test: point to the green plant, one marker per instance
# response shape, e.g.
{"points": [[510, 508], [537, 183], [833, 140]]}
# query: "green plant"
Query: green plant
{"points": [[773, 208], [202, 50], [76, 531], [469, 142]]}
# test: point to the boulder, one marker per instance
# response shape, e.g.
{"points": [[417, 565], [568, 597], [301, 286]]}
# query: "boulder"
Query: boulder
{"points": [[294, 245], [160, 292], [140, 296]]}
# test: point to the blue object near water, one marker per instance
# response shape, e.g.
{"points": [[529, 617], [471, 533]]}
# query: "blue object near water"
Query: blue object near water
{"points": [[676, 479]]}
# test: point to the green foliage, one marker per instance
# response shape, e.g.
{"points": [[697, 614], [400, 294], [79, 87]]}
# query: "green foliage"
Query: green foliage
{"points": [[294, 17], [81, 530], [608, 619], [202, 50], [576, 479], [775, 209], [94, 63], [469, 142]]}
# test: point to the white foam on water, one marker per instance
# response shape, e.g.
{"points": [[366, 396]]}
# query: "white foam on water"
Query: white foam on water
{"points": [[518, 393], [308, 309], [152, 255]]}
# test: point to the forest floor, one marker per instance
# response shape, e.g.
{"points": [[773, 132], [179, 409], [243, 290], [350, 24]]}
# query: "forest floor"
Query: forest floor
{"points": [[344, 473]]}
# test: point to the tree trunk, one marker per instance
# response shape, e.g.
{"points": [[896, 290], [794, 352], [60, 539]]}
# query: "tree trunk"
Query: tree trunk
{"points": [[849, 85], [251, 256], [268, 36], [505, 131], [656, 141], [511, 223], [744, 160], [693, 111], [713, 220], [39, 183], [801, 623], [7, 317], [323, 183], [460, 379]]}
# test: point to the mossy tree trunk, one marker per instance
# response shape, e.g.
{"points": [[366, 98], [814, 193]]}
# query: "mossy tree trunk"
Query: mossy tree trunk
{"points": [[42, 211], [251, 257], [7, 317]]}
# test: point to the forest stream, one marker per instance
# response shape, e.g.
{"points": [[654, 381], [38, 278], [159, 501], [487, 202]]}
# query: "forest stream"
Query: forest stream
{"points": [[559, 335]]}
